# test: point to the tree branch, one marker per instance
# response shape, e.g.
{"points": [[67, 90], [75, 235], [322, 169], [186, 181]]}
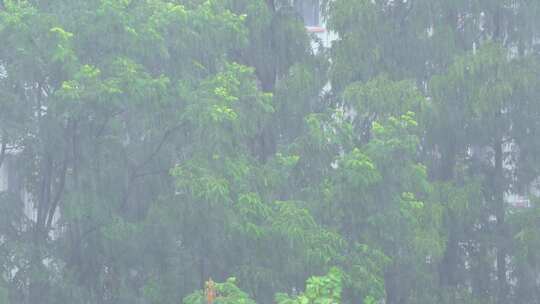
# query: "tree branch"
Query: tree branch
{"points": [[135, 173], [166, 135], [59, 191]]}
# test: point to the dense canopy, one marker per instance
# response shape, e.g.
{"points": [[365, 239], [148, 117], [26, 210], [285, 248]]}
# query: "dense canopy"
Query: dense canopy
{"points": [[198, 151]]}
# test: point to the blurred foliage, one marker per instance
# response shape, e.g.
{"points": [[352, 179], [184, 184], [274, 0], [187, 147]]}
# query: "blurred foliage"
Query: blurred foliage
{"points": [[150, 145]]}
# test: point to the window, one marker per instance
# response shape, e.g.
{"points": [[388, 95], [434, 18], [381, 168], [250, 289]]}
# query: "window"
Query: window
{"points": [[309, 10]]}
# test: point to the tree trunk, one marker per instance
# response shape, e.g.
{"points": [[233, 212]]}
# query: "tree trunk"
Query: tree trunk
{"points": [[500, 224], [448, 161]]}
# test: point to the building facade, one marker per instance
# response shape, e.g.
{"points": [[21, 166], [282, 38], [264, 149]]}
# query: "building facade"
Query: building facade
{"points": [[315, 22]]}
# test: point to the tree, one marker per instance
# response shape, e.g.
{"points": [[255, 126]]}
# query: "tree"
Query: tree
{"points": [[159, 143]]}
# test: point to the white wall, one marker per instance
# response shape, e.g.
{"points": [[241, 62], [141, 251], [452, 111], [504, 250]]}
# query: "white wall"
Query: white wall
{"points": [[3, 177], [322, 34]]}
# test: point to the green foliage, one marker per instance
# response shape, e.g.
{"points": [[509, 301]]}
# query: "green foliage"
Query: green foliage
{"points": [[227, 293], [159, 143], [319, 290]]}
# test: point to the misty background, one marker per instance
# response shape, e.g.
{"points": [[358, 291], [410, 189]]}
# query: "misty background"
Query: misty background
{"points": [[269, 151]]}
